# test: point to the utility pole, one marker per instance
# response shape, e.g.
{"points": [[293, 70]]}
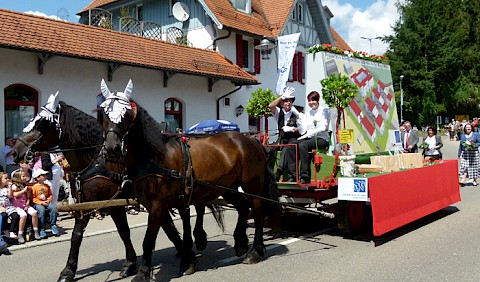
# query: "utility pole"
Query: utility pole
{"points": [[401, 98], [370, 39]]}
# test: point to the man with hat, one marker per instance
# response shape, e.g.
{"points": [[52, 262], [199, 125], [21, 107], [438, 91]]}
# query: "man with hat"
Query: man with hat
{"points": [[286, 115]]}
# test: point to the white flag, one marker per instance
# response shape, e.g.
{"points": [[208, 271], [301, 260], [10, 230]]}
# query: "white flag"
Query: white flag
{"points": [[287, 45]]}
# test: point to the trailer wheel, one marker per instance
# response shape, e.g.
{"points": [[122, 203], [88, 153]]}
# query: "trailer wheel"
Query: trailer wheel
{"points": [[351, 216]]}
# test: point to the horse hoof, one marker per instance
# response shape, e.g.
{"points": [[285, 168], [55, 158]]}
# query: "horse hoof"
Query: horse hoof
{"points": [[128, 269], [64, 278], [190, 270], [252, 258], [200, 240], [143, 275], [240, 251]]}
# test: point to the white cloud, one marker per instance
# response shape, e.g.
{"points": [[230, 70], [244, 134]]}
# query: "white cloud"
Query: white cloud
{"points": [[352, 23], [40, 14]]}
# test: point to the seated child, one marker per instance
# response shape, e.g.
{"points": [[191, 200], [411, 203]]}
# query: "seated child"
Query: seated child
{"points": [[42, 197], [6, 208], [21, 201]]}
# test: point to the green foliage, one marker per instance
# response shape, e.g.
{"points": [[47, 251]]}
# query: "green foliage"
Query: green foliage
{"points": [[258, 105], [125, 13], [338, 91], [355, 54], [436, 47]]}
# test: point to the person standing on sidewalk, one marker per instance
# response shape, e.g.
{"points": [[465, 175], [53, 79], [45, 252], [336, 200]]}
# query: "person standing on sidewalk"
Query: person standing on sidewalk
{"points": [[469, 155], [409, 138], [7, 152]]}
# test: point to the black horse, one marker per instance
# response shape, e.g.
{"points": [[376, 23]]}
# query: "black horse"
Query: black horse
{"points": [[218, 165], [79, 136]]}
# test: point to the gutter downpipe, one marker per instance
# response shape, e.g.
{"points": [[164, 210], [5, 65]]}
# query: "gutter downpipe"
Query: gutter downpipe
{"points": [[214, 44], [229, 93]]}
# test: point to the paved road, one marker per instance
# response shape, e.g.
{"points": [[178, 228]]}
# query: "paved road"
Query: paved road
{"points": [[441, 247]]}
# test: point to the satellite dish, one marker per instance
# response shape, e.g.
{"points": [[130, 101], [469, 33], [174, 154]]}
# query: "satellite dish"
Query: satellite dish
{"points": [[62, 13], [180, 11]]}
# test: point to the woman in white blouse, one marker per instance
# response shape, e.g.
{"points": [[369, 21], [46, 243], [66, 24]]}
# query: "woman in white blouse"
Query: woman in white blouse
{"points": [[432, 144], [312, 125]]}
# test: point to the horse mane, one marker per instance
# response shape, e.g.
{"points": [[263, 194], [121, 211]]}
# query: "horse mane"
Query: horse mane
{"points": [[149, 131], [79, 129]]}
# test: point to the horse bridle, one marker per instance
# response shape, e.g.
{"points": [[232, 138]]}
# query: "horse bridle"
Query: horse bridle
{"points": [[123, 149], [121, 136], [30, 154]]}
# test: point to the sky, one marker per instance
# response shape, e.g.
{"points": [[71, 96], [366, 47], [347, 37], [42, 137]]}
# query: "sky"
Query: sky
{"points": [[353, 19]]}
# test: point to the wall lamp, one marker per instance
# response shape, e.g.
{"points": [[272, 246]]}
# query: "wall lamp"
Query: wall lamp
{"points": [[265, 47], [239, 110]]}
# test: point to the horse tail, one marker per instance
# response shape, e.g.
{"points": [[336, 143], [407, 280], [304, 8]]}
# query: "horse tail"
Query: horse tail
{"points": [[217, 212]]}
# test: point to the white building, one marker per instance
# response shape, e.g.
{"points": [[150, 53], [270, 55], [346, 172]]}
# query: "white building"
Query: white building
{"points": [[207, 79]]}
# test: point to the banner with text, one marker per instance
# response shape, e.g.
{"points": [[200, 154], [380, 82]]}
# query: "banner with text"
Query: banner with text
{"points": [[287, 45]]}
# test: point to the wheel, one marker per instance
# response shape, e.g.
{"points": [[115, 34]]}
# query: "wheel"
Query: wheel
{"points": [[351, 216]]}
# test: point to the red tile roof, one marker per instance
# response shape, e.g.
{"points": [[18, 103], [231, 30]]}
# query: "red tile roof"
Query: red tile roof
{"points": [[32, 33], [339, 42], [267, 18], [96, 4]]}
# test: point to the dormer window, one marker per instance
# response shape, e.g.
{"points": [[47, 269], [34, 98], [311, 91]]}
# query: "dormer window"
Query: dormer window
{"points": [[297, 13], [242, 5]]}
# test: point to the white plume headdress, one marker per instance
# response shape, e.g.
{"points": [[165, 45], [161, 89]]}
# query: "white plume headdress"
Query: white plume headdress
{"points": [[116, 104], [47, 112]]}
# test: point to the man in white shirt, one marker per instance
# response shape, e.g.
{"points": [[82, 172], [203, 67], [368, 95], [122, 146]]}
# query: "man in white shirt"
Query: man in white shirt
{"points": [[7, 152], [286, 115]]}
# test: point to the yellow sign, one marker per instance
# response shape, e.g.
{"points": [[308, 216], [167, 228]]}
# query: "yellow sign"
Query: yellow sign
{"points": [[345, 136], [461, 118]]}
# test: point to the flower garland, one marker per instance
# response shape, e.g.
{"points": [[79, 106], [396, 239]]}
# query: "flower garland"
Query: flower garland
{"points": [[355, 54]]}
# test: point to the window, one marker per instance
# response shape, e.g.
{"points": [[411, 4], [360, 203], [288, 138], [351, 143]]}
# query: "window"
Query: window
{"points": [[297, 13], [173, 114], [226, 102], [242, 5], [300, 13], [297, 69], [21, 105], [139, 12], [253, 124], [246, 55]]}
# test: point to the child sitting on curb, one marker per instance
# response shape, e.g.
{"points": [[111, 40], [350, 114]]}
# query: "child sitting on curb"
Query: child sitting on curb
{"points": [[6, 208], [21, 201], [3, 245], [42, 197]]}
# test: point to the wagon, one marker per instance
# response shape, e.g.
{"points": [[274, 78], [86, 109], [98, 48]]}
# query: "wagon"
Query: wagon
{"points": [[385, 201]]}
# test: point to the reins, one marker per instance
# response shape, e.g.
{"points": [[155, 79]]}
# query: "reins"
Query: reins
{"points": [[177, 175], [57, 150]]}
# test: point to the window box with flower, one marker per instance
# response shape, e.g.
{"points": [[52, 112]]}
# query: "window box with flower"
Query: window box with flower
{"points": [[355, 54]]}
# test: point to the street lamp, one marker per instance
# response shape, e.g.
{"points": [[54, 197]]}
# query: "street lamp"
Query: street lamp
{"points": [[370, 39], [401, 98], [265, 47]]}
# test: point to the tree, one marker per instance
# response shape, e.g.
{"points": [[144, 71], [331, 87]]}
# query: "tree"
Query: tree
{"points": [[338, 92], [258, 106], [436, 47]]}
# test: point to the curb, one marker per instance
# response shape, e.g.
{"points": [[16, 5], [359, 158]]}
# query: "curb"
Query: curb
{"points": [[52, 239]]}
